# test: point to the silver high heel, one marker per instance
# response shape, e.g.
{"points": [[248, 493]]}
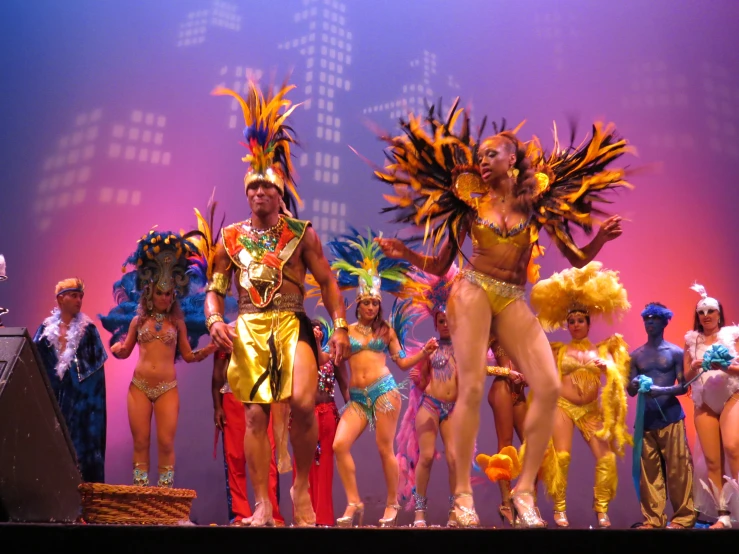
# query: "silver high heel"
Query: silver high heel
{"points": [[348, 521], [525, 516], [468, 517], [421, 505], [391, 521]]}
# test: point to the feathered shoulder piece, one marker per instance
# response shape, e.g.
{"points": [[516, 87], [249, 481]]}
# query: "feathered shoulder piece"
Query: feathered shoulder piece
{"points": [[573, 179], [403, 317], [691, 341], [267, 135], [427, 168], [360, 264], [590, 290], [207, 241], [434, 291]]}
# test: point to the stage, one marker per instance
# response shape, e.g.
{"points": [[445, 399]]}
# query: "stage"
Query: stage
{"points": [[118, 538]]}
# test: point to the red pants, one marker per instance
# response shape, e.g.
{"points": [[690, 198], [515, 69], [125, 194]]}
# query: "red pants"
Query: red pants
{"points": [[321, 477], [233, 446]]}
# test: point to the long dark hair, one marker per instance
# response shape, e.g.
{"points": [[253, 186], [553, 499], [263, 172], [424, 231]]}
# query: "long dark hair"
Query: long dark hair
{"points": [[380, 327], [697, 321], [525, 186]]}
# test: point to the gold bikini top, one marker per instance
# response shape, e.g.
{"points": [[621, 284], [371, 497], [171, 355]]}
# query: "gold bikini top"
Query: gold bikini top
{"points": [[585, 376], [486, 234]]}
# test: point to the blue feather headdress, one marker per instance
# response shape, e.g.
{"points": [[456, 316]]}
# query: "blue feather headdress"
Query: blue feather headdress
{"points": [[360, 264], [403, 316], [327, 329], [435, 291], [656, 310]]}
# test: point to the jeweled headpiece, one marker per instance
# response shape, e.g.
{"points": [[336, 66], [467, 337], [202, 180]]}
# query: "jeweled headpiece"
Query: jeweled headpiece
{"points": [[590, 290], [360, 264], [705, 301], [268, 138]]}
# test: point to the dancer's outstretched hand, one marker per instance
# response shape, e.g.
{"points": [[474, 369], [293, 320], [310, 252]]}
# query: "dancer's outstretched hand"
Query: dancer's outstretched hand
{"points": [[392, 248], [611, 228]]}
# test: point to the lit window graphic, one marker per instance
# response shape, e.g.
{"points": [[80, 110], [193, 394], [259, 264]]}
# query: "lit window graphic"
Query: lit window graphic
{"points": [[328, 217], [196, 25]]}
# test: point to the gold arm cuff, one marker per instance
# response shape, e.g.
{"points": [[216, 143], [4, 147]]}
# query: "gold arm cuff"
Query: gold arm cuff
{"points": [[498, 371], [340, 323], [220, 284], [213, 318]]}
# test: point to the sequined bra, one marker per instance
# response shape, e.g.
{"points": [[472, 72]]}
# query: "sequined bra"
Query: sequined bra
{"points": [[375, 345], [146, 335], [486, 234], [585, 376], [326, 378]]}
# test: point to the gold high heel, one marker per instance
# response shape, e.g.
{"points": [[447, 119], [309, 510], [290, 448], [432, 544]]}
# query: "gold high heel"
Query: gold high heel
{"points": [[391, 521], [560, 519], [468, 518], [604, 522], [506, 514], [525, 516], [348, 521]]}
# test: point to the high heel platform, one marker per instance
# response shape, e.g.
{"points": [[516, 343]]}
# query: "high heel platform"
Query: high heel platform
{"points": [[348, 521], [604, 522], [421, 504], [525, 516], [560, 519], [391, 521], [468, 517]]}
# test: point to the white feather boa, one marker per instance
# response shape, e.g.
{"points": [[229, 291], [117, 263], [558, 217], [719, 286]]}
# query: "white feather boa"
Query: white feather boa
{"points": [[75, 332]]}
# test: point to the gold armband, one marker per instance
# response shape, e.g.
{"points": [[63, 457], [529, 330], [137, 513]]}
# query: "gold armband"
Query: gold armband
{"points": [[220, 284], [213, 318], [340, 323], [498, 371]]}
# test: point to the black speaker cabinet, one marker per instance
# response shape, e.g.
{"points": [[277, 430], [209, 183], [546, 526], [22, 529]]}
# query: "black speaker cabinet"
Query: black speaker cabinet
{"points": [[38, 465]]}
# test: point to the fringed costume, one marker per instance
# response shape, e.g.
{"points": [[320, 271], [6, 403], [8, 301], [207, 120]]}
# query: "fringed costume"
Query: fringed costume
{"points": [[360, 264], [592, 292], [270, 324], [440, 368], [74, 362], [165, 262], [711, 390]]}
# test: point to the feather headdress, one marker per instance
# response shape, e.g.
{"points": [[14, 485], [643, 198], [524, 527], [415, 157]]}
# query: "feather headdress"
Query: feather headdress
{"points": [[360, 264], [268, 137], [435, 291], [591, 290], [705, 301]]}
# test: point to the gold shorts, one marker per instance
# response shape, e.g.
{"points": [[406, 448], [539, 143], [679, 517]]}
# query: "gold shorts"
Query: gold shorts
{"points": [[261, 366], [500, 294], [587, 417]]}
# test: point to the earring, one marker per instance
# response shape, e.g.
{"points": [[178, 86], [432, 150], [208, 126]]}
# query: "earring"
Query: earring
{"points": [[513, 173], [149, 305]]}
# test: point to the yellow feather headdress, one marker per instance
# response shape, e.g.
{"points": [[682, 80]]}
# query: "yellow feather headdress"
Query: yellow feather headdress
{"points": [[268, 138], [591, 290]]}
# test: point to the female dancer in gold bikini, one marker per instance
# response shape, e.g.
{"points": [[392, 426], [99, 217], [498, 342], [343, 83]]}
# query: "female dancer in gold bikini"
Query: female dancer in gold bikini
{"points": [[149, 297], [501, 192], [599, 413]]}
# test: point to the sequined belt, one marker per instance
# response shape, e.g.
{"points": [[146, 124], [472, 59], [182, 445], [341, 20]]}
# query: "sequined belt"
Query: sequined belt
{"points": [[501, 288], [280, 303]]}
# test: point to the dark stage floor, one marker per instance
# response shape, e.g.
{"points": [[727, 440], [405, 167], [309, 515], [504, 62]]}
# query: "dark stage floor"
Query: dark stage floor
{"points": [[107, 539]]}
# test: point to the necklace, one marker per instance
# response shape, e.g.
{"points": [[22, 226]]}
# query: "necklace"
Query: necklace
{"points": [[158, 321], [259, 241], [365, 330]]}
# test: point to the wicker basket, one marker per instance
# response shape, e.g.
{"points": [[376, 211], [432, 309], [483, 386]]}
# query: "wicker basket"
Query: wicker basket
{"points": [[124, 504]]}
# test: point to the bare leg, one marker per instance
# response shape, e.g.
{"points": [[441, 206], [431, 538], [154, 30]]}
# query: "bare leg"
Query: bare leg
{"points": [[521, 336], [501, 402], [469, 316], [304, 431], [166, 410], [386, 426], [729, 423], [258, 454], [139, 419], [708, 429], [427, 427], [447, 438], [351, 425]]}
